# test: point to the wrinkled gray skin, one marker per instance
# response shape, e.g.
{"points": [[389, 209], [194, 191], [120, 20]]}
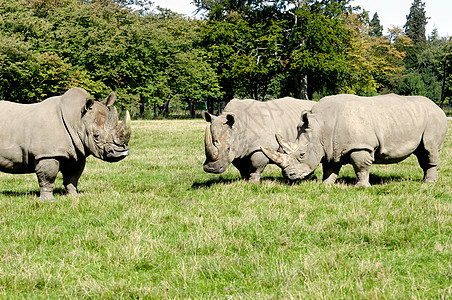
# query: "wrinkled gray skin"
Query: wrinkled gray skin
{"points": [[362, 131], [244, 126], [58, 134]]}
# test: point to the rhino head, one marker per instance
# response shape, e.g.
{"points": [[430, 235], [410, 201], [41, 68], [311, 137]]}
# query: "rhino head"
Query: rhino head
{"points": [[219, 141], [298, 160], [105, 137]]}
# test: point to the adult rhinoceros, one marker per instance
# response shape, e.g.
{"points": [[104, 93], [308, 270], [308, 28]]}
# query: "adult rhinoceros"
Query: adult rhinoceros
{"points": [[58, 134], [244, 126], [361, 131]]}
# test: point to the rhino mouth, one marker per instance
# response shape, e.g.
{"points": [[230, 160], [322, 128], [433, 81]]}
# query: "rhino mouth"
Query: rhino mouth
{"points": [[214, 168], [113, 155]]}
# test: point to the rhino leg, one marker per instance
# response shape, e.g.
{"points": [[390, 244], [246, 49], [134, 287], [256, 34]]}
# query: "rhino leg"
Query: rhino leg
{"points": [[252, 167], [361, 161], [258, 162], [46, 171], [428, 160], [71, 175], [330, 172]]}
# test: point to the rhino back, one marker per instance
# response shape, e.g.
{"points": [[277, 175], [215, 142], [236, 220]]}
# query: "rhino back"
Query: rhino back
{"points": [[29, 132], [258, 122], [392, 125]]}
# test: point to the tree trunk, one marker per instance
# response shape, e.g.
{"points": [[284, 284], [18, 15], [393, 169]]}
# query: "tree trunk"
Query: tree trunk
{"points": [[443, 88], [301, 87], [142, 102], [193, 109]]}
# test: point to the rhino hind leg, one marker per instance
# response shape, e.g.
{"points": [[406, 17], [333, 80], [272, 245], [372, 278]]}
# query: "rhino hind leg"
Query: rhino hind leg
{"points": [[428, 160], [361, 161], [47, 171]]}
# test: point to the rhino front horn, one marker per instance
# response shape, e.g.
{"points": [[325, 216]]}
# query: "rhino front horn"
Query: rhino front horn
{"points": [[211, 150], [127, 123], [277, 157], [287, 146]]}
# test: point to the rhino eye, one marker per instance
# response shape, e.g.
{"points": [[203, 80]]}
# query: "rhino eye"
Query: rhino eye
{"points": [[300, 156], [96, 136]]}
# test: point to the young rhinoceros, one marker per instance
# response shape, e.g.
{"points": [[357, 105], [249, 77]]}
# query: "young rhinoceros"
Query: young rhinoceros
{"points": [[361, 131], [244, 126], [58, 134]]}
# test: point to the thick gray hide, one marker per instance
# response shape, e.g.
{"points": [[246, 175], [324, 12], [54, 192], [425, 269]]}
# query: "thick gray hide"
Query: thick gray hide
{"points": [[383, 129], [58, 134], [246, 125]]}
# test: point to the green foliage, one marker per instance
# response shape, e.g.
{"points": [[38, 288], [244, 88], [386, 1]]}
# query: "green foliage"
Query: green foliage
{"points": [[413, 85], [247, 49]]}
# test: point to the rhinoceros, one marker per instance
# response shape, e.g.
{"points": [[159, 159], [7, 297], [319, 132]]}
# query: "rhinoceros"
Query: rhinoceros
{"points": [[237, 134], [58, 134], [362, 131]]}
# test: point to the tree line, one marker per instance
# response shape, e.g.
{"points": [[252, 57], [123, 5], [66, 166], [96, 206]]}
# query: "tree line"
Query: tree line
{"points": [[156, 59]]}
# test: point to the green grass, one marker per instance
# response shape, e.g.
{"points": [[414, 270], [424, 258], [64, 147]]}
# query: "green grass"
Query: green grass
{"points": [[156, 226]]}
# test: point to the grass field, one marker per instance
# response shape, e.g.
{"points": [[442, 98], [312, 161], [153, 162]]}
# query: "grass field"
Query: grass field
{"points": [[156, 226]]}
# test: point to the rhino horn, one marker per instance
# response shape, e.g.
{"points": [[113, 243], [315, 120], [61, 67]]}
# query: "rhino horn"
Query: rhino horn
{"points": [[211, 150], [126, 123], [112, 119], [286, 146], [124, 130], [277, 157]]}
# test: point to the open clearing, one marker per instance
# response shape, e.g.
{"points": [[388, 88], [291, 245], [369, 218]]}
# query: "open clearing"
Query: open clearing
{"points": [[156, 226]]}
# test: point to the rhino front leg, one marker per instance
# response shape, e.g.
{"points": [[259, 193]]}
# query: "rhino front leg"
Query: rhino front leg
{"points": [[361, 161], [258, 162], [46, 171], [330, 172], [71, 175]]}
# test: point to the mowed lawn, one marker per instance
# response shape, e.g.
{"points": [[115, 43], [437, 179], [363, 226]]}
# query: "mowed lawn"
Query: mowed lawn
{"points": [[156, 226]]}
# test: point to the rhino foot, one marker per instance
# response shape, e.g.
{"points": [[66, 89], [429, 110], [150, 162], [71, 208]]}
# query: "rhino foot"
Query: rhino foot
{"points": [[362, 185], [47, 197], [431, 175], [430, 179]]}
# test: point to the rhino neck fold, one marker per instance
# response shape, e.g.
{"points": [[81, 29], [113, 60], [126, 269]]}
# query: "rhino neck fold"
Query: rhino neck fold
{"points": [[76, 140], [241, 141]]}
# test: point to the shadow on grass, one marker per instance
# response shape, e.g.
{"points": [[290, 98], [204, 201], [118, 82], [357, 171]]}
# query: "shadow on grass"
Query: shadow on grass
{"points": [[212, 182], [56, 191], [347, 180], [373, 179]]}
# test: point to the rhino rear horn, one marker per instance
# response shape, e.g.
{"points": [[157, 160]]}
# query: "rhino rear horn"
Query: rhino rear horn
{"points": [[277, 157], [286, 146], [112, 119]]}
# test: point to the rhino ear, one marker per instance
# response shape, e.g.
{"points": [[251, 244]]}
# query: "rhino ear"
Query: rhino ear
{"points": [[304, 117], [230, 119], [109, 100], [208, 117], [89, 102]]}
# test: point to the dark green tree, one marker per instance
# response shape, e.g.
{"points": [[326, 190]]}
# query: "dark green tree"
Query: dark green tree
{"points": [[416, 22], [375, 27], [415, 30]]}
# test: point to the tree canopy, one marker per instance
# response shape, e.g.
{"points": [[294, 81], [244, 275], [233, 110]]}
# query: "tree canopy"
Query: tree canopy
{"points": [[155, 58]]}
